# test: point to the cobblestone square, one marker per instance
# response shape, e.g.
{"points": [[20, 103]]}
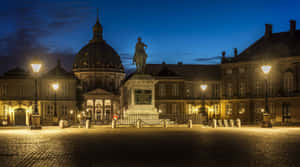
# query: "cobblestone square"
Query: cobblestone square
{"points": [[207, 147]]}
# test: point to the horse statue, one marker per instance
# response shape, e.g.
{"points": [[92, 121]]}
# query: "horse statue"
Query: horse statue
{"points": [[140, 56]]}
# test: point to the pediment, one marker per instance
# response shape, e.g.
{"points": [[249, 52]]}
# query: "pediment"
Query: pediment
{"points": [[98, 91]]}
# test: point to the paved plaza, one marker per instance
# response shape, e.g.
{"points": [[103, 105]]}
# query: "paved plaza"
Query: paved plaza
{"points": [[150, 147]]}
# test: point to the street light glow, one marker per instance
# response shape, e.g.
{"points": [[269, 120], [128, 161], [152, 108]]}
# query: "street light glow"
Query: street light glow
{"points": [[203, 86], [266, 69], [36, 67], [55, 86]]}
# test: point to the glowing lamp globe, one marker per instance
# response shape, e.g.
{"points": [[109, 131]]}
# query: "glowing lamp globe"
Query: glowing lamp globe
{"points": [[266, 69], [55, 86], [203, 86], [36, 67]]}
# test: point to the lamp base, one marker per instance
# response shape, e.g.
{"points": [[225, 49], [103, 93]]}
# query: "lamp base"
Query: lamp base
{"points": [[36, 122], [267, 121]]}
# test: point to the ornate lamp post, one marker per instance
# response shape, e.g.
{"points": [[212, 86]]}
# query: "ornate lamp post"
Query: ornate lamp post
{"points": [[36, 120], [55, 87], [203, 88], [267, 120]]}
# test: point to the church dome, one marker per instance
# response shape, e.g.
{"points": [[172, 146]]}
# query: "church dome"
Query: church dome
{"points": [[97, 54]]}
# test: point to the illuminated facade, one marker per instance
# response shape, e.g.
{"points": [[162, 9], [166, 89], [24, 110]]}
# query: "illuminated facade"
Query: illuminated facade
{"points": [[17, 96], [235, 88], [100, 71]]}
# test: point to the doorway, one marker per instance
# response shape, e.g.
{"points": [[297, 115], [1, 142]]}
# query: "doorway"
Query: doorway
{"points": [[20, 117]]}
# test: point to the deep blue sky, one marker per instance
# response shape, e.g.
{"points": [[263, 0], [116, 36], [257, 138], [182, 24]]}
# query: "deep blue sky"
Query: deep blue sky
{"points": [[174, 30]]}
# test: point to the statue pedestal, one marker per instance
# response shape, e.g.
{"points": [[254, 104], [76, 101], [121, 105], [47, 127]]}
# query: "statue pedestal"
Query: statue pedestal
{"points": [[141, 99]]}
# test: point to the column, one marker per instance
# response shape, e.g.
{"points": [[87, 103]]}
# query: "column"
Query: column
{"points": [[103, 110], [93, 111], [111, 109]]}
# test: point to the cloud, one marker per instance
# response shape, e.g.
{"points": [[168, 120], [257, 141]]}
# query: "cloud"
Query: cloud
{"points": [[34, 21], [208, 59]]}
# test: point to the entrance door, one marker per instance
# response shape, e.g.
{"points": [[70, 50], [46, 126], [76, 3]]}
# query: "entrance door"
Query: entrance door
{"points": [[20, 117]]}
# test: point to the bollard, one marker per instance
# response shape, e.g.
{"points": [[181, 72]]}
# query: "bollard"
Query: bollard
{"points": [[87, 124], [238, 123], [61, 124], [220, 123], [231, 122], [225, 123], [113, 124], [214, 123], [190, 124], [165, 123], [139, 123]]}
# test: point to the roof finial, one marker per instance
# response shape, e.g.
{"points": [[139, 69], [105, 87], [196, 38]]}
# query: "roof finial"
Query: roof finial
{"points": [[97, 29], [98, 15]]}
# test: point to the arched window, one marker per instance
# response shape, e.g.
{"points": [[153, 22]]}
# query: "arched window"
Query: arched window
{"points": [[288, 83]]}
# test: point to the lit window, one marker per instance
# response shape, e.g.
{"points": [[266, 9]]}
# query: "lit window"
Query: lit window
{"points": [[229, 109], [89, 103], [242, 108]]}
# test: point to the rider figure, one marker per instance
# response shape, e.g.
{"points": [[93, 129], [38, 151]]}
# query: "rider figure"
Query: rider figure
{"points": [[140, 55]]}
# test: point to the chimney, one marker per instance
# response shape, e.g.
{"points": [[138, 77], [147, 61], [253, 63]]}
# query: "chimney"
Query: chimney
{"points": [[223, 54], [235, 52], [223, 57], [268, 31], [179, 63], [292, 26]]}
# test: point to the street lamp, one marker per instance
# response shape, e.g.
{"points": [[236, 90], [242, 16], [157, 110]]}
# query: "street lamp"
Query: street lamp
{"points": [[36, 120], [71, 114], [267, 120], [55, 87], [203, 88]]}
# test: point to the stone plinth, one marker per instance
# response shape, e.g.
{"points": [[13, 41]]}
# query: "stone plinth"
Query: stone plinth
{"points": [[141, 99]]}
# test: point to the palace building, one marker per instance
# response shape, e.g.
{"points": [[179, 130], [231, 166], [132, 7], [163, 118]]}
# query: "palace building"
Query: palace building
{"points": [[236, 88]]}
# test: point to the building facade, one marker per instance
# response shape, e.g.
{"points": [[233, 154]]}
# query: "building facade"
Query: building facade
{"points": [[236, 88], [17, 93]]}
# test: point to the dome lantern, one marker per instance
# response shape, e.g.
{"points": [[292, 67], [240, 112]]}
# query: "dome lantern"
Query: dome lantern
{"points": [[97, 30]]}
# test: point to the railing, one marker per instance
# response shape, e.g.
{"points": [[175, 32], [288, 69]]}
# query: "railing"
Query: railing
{"points": [[131, 119]]}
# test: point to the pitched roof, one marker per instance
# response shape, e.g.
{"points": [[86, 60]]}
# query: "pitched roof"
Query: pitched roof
{"points": [[282, 44], [16, 72], [58, 71], [186, 71]]}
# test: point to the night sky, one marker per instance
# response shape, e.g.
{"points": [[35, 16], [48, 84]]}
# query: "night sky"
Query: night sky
{"points": [[194, 32]]}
